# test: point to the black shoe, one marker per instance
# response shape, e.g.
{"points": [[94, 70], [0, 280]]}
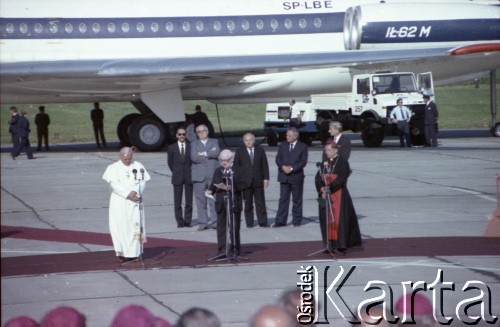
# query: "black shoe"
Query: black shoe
{"points": [[249, 226], [296, 225], [180, 225], [264, 225], [187, 225], [276, 225]]}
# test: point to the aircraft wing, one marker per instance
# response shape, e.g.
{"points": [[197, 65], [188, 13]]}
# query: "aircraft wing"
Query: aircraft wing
{"points": [[114, 78]]}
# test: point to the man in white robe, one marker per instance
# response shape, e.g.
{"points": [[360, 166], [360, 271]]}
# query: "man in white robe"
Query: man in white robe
{"points": [[127, 180]]}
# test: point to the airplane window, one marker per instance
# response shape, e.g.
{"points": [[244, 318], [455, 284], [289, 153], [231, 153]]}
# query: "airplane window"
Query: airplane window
{"points": [[68, 28], [317, 22], [9, 28], [140, 27], [186, 26], [155, 27], [53, 28], [82, 28], [259, 24], [38, 28], [96, 28], [288, 23], [217, 25], [125, 27], [245, 25], [111, 28], [274, 24], [199, 26], [169, 27], [303, 23], [23, 28], [230, 25]]}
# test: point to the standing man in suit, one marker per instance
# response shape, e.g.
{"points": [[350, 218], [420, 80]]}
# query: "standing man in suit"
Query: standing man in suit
{"points": [[291, 160], [97, 117], [253, 161], [337, 138], [430, 119], [179, 162], [42, 122], [204, 156]]}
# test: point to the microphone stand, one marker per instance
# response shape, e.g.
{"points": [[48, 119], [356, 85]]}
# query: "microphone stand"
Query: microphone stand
{"points": [[141, 215], [328, 210]]}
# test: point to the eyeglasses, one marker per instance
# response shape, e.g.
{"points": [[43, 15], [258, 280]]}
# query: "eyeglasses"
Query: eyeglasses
{"points": [[181, 134], [201, 131]]}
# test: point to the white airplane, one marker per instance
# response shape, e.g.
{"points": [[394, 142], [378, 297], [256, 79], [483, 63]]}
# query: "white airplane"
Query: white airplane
{"points": [[157, 53]]}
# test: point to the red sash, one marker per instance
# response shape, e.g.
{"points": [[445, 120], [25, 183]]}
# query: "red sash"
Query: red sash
{"points": [[334, 212]]}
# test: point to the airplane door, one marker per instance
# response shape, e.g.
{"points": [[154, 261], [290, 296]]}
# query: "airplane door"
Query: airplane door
{"points": [[425, 83]]}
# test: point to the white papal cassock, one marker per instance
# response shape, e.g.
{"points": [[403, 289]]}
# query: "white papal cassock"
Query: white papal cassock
{"points": [[125, 218]]}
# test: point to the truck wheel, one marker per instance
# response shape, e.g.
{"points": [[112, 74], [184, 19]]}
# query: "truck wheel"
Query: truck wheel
{"points": [[417, 138], [324, 135], [372, 134], [148, 133], [495, 130], [307, 138], [272, 139]]}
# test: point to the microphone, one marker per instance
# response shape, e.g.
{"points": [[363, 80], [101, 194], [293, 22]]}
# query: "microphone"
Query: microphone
{"points": [[142, 173], [134, 171], [318, 164]]}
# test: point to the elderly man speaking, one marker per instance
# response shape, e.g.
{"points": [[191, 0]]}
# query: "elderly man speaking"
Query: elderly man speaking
{"points": [[127, 180]]}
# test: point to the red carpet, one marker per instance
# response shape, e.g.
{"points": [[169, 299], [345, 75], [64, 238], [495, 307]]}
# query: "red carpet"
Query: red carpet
{"points": [[175, 253]]}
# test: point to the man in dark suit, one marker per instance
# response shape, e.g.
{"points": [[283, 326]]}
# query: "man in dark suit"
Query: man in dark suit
{"points": [[253, 161], [431, 121], [24, 131], [15, 130], [291, 160], [97, 117], [42, 122], [337, 138], [226, 187], [179, 162]]}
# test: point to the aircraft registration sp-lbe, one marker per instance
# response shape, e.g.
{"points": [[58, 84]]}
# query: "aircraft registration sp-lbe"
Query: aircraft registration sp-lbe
{"points": [[157, 53]]}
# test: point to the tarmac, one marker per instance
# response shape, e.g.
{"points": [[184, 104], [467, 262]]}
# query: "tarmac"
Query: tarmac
{"points": [[422, 213]]}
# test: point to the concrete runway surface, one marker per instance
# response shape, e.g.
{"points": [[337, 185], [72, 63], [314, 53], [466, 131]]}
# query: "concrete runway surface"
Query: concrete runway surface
{"points": [[434, 201]]}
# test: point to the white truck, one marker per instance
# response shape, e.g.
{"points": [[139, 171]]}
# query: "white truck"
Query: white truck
{"points": [[366, 109]]}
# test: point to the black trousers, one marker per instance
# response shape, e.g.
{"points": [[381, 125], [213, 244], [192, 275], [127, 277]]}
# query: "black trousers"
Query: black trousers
{"points": [[224, 213], [42, 133], [257, 194], [99, 131], [187, 189]]}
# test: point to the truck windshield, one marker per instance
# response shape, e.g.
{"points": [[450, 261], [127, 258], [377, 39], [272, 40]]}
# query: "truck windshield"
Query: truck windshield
{"points": [[394, 83]]}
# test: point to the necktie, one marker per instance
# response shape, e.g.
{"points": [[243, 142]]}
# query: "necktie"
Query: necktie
{"points": [[402, 113], [291, 147], [251, 155], [182, 151]]}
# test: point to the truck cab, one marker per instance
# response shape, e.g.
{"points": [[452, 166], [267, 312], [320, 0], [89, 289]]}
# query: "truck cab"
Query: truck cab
{"points": [[365, 109]]}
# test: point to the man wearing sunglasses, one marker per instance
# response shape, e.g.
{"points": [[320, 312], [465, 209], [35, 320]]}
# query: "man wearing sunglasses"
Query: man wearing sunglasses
{"points": [[179, 162]]}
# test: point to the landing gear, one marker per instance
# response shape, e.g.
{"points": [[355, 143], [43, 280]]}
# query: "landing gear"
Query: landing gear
{"points": [[122, 130], [148, 133]]}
